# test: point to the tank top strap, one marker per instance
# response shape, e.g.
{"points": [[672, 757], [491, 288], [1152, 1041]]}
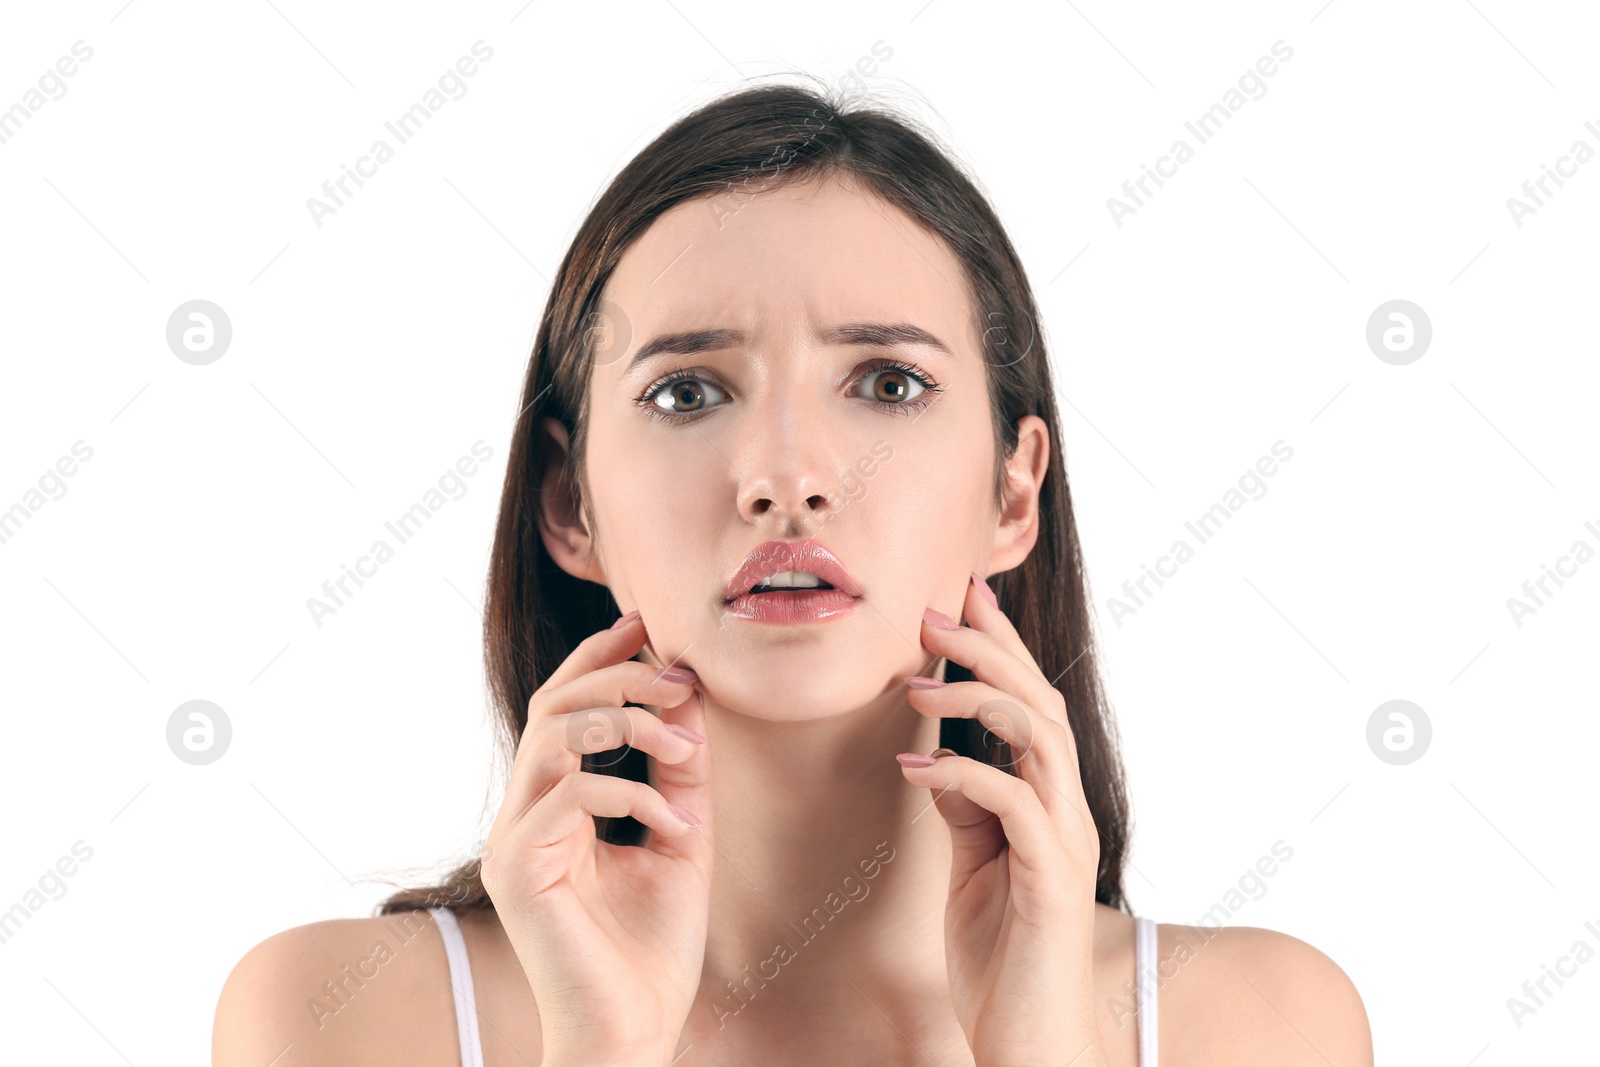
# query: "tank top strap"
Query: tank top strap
{"points": [[455, 951], [1144, 962]]}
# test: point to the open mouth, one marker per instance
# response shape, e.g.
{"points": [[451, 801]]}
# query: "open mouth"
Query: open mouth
{"points": [[789, 582], [795, 579], [796, 596]]}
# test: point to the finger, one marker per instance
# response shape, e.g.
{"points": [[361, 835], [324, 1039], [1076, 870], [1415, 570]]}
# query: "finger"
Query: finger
{"points": [[600, 649], [982, 615], [976, 836], [568, 738], [999, 797], [991, 659], [581, 795], [614, 685], [539, 762], [1040, 748], [687, 782]]}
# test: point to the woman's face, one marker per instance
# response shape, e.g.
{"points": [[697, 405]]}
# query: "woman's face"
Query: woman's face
{"points": [[792, 431]]}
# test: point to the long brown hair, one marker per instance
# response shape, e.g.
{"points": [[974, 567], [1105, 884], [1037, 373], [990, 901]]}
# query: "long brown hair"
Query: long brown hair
{"points": [[745, 142]]}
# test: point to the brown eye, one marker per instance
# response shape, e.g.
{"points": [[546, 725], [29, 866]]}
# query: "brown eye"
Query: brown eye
{"points": [[684, 395], [890, 390], [892, 386], [687, 394]]}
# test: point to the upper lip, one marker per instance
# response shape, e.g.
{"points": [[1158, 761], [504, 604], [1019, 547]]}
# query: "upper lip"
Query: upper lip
{"points": [[773, 557]]}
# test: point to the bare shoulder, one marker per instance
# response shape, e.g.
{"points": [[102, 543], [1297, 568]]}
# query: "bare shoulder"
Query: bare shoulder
{"points": [[340, 991], [1244, 995]]}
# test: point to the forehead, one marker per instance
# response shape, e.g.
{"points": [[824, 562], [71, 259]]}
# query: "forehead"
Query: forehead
{"points": [[822, 251]]}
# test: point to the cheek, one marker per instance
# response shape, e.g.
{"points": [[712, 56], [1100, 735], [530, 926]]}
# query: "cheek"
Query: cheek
{"points": [[640, 472], [660, 502], [925, 500]]}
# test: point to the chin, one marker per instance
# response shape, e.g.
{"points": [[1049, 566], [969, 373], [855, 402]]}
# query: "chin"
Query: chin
{"points": [[796, 688]]}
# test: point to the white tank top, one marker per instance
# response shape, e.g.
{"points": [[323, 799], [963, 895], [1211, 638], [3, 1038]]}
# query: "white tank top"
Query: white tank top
{"points": [[455, 950]]}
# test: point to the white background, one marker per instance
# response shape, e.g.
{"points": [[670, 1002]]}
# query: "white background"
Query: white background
{"points": [[1226, 314]]}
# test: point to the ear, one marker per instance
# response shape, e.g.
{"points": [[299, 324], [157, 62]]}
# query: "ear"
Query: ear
{"points": [[561, 525], [1018, 527]]}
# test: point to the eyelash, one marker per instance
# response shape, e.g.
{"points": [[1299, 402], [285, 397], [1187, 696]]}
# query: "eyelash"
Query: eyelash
{"points": [[930, 391]]}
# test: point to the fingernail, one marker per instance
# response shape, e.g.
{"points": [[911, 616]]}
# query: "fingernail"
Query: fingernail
{"points": [[940, 619], [917, 681], [685, 814], [936, 753], [679, 674], [983, 587], [685, 733], [915, 759], [625, 620]]}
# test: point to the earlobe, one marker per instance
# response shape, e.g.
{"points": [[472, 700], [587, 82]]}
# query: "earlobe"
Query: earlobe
{"points": [[561, 525], [1019, 518]]}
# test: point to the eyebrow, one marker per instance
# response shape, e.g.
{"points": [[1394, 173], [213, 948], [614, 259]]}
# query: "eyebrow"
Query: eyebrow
{"points": [[876, 334]]}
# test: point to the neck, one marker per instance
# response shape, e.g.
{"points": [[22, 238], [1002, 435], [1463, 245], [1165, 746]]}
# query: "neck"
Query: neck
{"points": [[829, 866]]}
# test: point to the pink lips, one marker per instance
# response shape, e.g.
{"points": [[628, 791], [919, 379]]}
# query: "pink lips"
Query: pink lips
{"points": [[790, 606]]}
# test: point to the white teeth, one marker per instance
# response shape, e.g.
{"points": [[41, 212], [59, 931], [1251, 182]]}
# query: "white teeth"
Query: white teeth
{"points": [[792, 580]]}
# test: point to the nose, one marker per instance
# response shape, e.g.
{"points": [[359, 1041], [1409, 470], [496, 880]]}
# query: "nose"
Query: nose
{"points": [[788, 483], [792, 503]]}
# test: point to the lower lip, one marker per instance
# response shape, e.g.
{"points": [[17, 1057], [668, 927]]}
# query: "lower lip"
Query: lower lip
{"points": [[791, 606]]}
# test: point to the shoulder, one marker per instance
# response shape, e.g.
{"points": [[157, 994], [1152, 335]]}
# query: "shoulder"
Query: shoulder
{"points": [[346, 991], [1245, 995]]}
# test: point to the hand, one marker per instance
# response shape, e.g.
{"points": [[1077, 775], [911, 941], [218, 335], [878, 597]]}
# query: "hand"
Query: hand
{"points": [[612, 937], [1019, 921]]}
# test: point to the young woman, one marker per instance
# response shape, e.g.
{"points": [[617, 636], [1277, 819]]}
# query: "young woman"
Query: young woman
{"points": [[787, 627]]}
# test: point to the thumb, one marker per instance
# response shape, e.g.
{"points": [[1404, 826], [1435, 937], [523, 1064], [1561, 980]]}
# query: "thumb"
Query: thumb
{"points": [[976, 835]]}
